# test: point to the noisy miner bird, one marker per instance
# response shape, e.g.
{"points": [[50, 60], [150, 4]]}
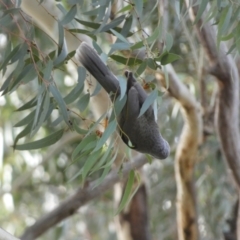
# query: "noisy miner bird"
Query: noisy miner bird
{"points": [[139, 133]]}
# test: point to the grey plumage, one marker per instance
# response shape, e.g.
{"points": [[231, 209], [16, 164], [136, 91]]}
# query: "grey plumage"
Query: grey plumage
{"points": [[142, 132]]}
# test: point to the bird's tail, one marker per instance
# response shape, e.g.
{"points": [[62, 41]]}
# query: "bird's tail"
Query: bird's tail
{"points": [[93, 63]]}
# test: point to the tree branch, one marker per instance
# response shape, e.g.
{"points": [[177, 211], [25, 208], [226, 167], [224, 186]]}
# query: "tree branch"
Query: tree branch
{"points": [[224, 68], [186, 155], [83, 195]]}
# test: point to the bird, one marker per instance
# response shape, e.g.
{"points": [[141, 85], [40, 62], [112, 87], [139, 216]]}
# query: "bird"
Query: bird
{"points": [[140, 133]]}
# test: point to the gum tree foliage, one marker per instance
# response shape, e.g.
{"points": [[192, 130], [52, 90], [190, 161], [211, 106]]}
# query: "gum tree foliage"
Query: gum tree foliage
{"points": [[42, 105]]}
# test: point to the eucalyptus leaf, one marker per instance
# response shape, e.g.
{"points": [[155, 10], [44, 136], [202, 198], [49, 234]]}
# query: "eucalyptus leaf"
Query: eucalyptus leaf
{"points": [[44, 142], [110, 26], [23, 133], [28, 104], [78, 129], [69, 16], [139, 7], [127, 192], [107, 133], [123, 85], [141, 68], [201, 9], [57, 96], [82, 144], [148, 102], [169, 58], [83, 102], [89, 163], [126, 61], [26, 120]]}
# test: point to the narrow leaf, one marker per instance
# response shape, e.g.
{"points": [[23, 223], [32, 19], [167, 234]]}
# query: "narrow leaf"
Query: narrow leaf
{"points": [[90, 161], [108, 131], [138, 7], [121, 37], [113, 24], [201, 9], [28, 105], [127, 192], [125, 9], [82, 144], [44, 142], [141, 68], [148, 102], [123, 86], [69, 16], [126, 61], [169, 41], [29, 118], [83, 102], [169, 58], [78, 129], [57, 96]]}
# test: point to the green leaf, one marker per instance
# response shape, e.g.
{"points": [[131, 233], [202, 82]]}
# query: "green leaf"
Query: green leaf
{"points": [[48, 70], [57, 96], [139, 7], [106, 170], [28, 105], [110, 26], [127, 192], [90, 161], [40, 99], [127, 26], [141, 68], [29, 118], [224, 22], [168, 58], [74, 94], [78, 129], [97, 25], [83, 102], [148, 102], [105, 19], [126, 61], [44, 142], [10, 56], [123, 86], [137, 45], [69, 16], [25, 71], [201, 9], [23, 133], [6, 20], [151, 63], [108, 131], [44, 111], [62, 49], [154, 36], [169, 41], [126, 8], [82, 144], [120, 36], [104, 158], [83, 31]]}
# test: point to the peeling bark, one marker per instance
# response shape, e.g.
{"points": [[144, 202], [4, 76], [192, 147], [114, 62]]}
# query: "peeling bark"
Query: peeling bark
{"points": [[133, 221], [186, 156]]}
